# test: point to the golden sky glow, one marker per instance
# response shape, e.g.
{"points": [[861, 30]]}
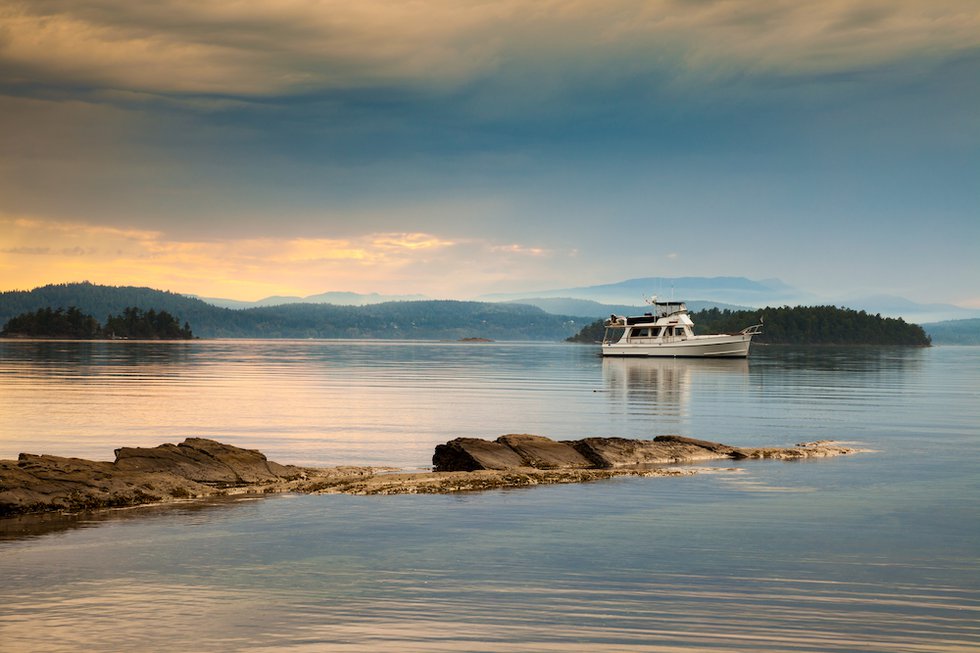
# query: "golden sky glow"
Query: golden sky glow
{"points": [[36, 252]]}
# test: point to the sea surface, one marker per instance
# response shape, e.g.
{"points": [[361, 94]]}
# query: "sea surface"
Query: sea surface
{"points": [[879, 551]]}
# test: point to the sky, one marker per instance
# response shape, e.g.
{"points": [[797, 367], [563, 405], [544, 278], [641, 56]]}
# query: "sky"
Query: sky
{"points": [[452, 148]]}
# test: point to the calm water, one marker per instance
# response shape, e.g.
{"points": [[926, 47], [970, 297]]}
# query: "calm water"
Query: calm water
{"points": [[877, 552]]}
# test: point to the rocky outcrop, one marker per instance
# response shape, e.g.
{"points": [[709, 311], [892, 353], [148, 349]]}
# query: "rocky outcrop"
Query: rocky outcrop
{"points": [[205, 461], [193, 468], [509, 451], [663, 449], [198, 468]]}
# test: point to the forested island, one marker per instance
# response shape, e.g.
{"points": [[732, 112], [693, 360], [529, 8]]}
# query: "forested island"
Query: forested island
{"points": [[798, 325], [72, 324]]}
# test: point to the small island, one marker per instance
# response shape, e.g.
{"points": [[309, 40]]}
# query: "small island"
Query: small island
{"points": [[798, 325], [72, 324]]}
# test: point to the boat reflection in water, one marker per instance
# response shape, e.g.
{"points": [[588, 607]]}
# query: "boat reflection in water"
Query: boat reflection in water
{"points": [[663, 386]]}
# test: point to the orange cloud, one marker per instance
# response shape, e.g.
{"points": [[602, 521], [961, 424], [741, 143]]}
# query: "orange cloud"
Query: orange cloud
{"points": [[35, 252], [514, 248]]}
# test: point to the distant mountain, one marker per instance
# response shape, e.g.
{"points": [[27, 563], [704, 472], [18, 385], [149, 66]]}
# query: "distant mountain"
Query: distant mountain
{"points": [[725, 292], [893, 306], [337, 298], [424, 320], [711, 290], [589, 308], [954, 332]]}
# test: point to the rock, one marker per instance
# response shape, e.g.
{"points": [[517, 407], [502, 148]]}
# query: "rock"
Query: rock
{"points": [[195, 468], [471, 454], [822, 449], [543, 453], [623, 452], [198, 468], [205, 461], [45, 483], [523, 450], [513, 451]]}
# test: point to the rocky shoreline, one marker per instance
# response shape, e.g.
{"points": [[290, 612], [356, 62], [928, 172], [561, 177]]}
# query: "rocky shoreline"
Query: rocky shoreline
{"points": [[199, 468]]}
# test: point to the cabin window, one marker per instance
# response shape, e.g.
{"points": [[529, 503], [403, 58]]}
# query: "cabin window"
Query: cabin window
{"points": [[656, 331]]}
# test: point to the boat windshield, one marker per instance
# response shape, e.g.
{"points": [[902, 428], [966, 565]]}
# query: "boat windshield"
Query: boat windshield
{"points": [[612, 334]]}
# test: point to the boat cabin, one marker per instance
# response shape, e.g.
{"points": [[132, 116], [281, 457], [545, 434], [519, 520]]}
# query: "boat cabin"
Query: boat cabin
{"points": [[669, 323]]}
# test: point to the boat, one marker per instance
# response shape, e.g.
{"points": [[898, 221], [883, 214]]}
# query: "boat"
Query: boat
{"points": [[668, 331]]}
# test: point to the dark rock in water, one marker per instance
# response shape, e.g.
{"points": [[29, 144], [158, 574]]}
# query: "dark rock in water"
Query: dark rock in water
{"points": [[471, 454], [624, 452], [195, 468], [544, 453], [511, 451], [204, 461]]}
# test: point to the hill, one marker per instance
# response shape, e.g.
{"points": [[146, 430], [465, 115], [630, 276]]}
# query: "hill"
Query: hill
{"points": [[954, 332], [337, 298], [799, 325], [102, 301], [732, 290], [429, 320], [589, 308]]}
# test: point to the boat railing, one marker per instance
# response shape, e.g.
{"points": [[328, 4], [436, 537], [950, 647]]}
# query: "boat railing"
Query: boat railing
{"points": [[753, 330]]}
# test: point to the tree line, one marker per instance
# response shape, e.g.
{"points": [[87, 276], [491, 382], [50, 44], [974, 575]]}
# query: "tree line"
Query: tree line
{"points": [[798, 325], [71, 323]]}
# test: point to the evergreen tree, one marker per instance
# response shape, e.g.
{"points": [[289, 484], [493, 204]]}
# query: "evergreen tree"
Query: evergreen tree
{"points": [[73, 324]]}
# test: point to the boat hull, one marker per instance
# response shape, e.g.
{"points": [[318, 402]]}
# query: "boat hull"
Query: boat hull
{"points": [[725, 346]]}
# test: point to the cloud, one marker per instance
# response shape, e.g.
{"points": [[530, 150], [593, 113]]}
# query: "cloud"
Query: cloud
{"points": [[410, 242], [252, 267], [271, 47], [515, 248]]}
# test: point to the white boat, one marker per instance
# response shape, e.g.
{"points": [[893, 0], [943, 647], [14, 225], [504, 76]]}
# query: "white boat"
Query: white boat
{"points": [[669, 331]]}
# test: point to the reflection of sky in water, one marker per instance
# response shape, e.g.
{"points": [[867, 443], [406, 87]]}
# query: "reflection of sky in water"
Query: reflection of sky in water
{"points": [[633, 565], [323, 402]]}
